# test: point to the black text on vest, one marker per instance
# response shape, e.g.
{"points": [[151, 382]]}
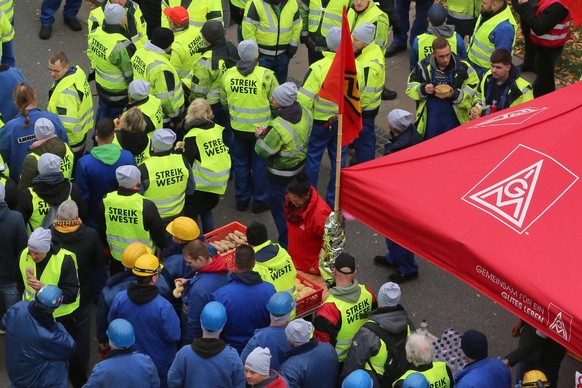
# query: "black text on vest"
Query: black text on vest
{"points": [[99, 49], [277, 273], [169, 177], [244, 86], [124, 216], [214, 147], [43, 208], [353, 313]]}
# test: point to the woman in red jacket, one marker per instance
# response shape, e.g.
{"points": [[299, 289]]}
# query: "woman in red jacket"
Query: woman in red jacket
{"points": [[305, 212]]}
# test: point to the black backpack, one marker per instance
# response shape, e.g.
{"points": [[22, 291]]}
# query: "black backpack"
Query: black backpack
{"points": [[396, 363]]}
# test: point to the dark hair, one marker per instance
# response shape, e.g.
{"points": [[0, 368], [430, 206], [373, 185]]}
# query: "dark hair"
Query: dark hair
{"points": [[244, 258], [501, 56], [196, 248], [23, 96], [299, 185], [59, 56], [256, 233], [439, 44], [105, 128], [143, 280]]}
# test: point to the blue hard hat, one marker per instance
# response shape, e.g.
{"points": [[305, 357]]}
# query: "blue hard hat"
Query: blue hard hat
{"points": [[281, 303], [415, 380], [213, 316], [120, 333], [49, 297], [358, 379]]}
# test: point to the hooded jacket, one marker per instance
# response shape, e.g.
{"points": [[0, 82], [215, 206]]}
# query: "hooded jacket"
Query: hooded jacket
{"points": [[272, 337], [156, 325], [197, 294], [485, 373], [245, 298], [114, 285], [122, 367], [13, 240], [53, 145], [95, 176], [207, 360], [311, 365], [39, 348]]}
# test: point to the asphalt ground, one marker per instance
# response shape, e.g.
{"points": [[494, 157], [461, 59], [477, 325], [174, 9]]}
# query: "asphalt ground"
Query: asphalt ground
{"points": [[441, 298]]}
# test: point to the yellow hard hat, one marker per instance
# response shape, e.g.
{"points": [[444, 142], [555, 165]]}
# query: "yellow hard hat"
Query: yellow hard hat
{"points": [[531, 377], [147, 265], [132, 252], [184, 228]]}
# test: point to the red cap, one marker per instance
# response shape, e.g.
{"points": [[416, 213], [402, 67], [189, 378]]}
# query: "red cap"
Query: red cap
{"points": [[178, 15]]}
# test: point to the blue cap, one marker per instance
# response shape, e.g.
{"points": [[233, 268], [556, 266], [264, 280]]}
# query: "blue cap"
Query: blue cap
{"points": [[120, 333], [358, 379], [49, 297], [415, 380], [281, 303], [213, 316]]}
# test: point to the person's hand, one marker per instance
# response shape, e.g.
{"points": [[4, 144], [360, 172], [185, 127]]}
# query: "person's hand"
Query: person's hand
{"points": [[35, 283], [506, 362], [520, 2], [516, 329], [475, 112], [429, 89]]}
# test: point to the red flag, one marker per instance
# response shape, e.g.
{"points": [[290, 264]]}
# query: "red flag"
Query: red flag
{"points": [[341, 85], [575, 8]]}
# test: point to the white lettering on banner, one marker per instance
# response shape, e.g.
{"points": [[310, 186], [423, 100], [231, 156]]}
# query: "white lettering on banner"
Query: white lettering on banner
{"points": [[525, 179], [515, 298], [561, 321], [516, 117]]}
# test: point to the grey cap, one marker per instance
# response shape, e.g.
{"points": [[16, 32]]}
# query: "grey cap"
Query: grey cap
{"points": [[248, 50], [299, 331], [400, 119], [365, 32], [49, 163], [334, 38], [43, 129], [139, 89], [114, 13], [389, 295], [68, 211], [437, 14], [163, 139], [285, 94], [2, 192], [127, 176], [259, 361], [40, 240]]}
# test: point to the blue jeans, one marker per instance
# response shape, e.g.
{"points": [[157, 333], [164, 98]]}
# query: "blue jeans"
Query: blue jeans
{"points": [[365, 144], [50, 7], [105, 110], [221, 118], [250, 173], [401, 257], [8, 54], [279, 65], [323, 138], [420, 24], [10, 294], [277, 202]]}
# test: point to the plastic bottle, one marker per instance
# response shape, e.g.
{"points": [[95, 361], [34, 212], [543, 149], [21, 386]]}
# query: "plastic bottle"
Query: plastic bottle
{"points": [[423, 329]]}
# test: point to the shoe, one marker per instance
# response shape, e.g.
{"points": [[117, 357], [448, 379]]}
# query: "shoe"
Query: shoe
{"points": [[241, 207], [381, 261], [73, 24], [45, 33], [260, 208], [388, 94], [2, 331], [393, 50], [400, 278]]}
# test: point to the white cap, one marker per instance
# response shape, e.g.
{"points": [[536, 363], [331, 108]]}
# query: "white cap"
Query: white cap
{"points": [[365, 32], [334, 38], [400, 119], [114, 14], [49, 163], [163, 139], [128, 176], [248, 50]]}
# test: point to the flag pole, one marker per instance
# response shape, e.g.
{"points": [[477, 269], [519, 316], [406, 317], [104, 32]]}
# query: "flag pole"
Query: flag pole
{"points": [[338, 166]]}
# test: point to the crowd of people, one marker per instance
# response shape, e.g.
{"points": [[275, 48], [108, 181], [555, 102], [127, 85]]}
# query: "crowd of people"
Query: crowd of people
{"points": [[99, 204]]}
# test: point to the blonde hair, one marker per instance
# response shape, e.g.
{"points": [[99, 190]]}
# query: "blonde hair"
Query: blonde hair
{"points": [[199, 109], [132, 121]]}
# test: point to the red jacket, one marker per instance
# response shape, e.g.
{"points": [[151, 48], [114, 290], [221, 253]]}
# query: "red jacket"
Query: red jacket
{"points": [[306, 237]]}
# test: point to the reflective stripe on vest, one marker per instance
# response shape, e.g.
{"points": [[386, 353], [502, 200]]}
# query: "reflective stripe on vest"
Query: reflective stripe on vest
{"points": [[464, 9], [135, 27], [248, 101], [7, 6], [323, 18], [108, 75], [187, 43], [480, 48], [40, 209], [279, 270], [352, 315], [78, 116], [66, 161], [124, 222], [558, 35], [199, 11], [50, 275], [437, 376], [212, 171], [168, 176]]}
